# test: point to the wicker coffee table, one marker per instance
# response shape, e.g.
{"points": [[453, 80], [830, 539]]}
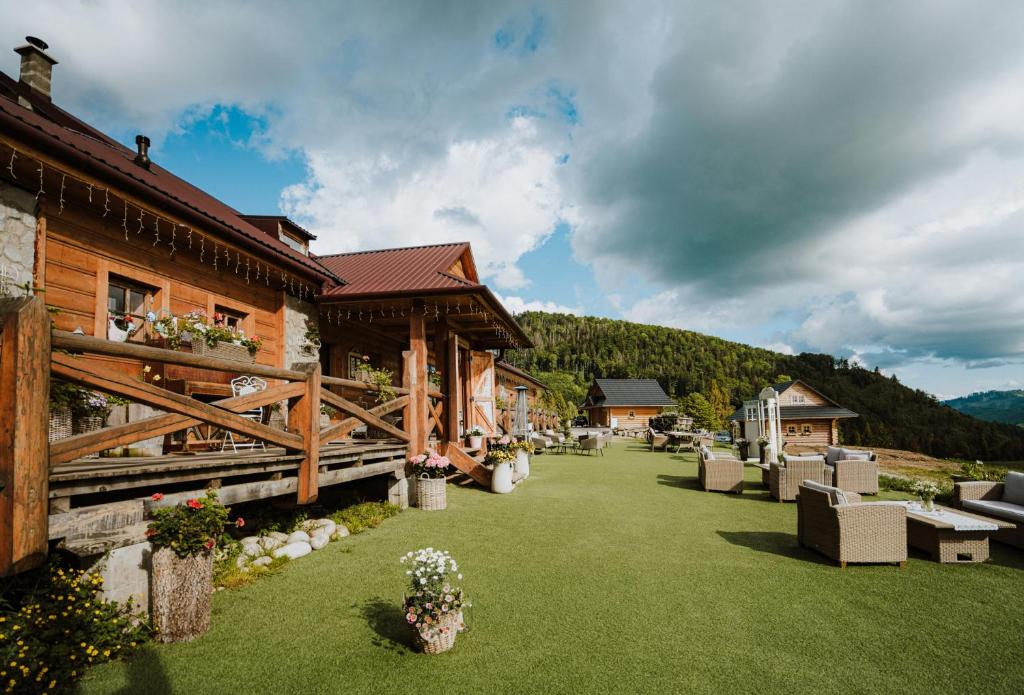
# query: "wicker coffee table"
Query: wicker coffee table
{"points": [[940, 538]]}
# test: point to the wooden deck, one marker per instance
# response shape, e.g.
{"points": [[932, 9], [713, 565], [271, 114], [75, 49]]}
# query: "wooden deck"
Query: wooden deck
{"points": [[97, 504]]}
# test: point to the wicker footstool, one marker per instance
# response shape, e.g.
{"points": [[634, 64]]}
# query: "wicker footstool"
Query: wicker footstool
{"points": [[944, 543]]}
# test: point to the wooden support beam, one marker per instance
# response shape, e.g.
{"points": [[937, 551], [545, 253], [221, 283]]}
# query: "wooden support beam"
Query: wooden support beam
{"points": [[435, 419], [84, 343], [362, 414], [115, 382], [304, 420], [450, 388], [467, 464], [24, 426], [343, 428], [80, 445]]}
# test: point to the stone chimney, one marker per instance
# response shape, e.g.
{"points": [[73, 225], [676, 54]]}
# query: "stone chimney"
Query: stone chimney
{"points": [[36, 66]]}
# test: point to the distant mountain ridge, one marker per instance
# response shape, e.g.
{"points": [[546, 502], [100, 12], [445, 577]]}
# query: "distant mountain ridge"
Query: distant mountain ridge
{"points": [[572, 350], [994, 406]]}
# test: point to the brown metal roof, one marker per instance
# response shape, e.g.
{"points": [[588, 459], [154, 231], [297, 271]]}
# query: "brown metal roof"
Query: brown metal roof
{"points": [[406, 270], [66, 143]]}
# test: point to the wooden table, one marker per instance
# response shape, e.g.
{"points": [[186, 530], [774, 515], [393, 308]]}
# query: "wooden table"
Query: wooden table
{"points": [[944, 543]]}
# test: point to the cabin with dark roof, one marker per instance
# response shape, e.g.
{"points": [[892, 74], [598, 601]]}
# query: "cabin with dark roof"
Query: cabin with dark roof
{"points": [[625, 403], [807, 417]]}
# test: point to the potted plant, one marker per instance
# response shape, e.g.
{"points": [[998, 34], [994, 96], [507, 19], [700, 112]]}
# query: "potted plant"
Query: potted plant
{"points": [[121, 328], [522, 451], [327, 411], [475, 438], [214, 339], [183, 537], [762, 444], [434, 602], [90, 412], [926, 491], [430, 470], [743, 447], [63, 397], [501, 475]]}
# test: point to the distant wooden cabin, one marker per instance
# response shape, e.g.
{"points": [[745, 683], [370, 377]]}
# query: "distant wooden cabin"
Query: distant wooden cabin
{"points": [[625, 402], [808, 418]]}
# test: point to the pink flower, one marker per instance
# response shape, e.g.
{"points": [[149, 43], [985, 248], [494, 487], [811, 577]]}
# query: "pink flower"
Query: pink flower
{"points": [[504, 440], [157, 496], [239, 522], [419, 459], [410, 618]]}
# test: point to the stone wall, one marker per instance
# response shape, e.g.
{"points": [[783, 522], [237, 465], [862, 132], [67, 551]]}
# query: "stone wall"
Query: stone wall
{"points": [[296, 313], [17, 232]]}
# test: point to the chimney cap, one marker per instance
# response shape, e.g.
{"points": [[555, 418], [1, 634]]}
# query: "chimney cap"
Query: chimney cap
{"points": [[37, 42], [35, 46]]}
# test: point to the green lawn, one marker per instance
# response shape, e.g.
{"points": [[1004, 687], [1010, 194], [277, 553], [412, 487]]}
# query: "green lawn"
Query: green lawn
{"points": [[615, 575]]}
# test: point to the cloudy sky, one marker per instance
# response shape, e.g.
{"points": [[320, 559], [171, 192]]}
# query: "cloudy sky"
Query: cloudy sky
{"points": [[843, 177]]}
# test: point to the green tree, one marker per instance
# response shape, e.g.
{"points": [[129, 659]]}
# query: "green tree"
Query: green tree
{"points": [[699, 408]]}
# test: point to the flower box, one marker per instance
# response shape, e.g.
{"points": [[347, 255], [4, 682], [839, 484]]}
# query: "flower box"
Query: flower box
{"points": [[224, 351]]}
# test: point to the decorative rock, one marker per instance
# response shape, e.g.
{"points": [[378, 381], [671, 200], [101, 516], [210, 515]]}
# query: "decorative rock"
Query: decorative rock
{"points": [[278, 536], [268, 543], [241, 561], [319, 540], [294, 551], [298, 537], [250, 539], [341, 531], [252, 549], [262, 561]]}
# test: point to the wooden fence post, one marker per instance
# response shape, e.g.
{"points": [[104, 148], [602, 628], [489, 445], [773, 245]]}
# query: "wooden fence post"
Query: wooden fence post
{"points": [[304, 420], [24, 425], [410, 420]]}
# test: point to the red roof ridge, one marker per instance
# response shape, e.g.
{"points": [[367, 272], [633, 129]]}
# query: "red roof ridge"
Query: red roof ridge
{"points": [[397, 248]]}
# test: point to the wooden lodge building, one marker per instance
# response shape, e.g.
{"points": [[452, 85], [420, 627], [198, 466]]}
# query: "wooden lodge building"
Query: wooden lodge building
{"points": [[625, 403], [807, 417], [103, 234]]}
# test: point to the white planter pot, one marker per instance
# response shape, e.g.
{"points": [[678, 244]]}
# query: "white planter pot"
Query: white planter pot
{"points": [[501, 478], [475, 442], [523, 463]]}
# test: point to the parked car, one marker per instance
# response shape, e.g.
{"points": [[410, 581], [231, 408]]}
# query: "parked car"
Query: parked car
{"points": [[724, 437]]}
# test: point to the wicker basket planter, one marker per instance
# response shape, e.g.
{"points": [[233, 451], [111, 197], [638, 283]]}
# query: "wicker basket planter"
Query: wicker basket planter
{"points": [[431, 493], [224, 351], [60, 424], [181, 590], [88, 423], [442, 639]]}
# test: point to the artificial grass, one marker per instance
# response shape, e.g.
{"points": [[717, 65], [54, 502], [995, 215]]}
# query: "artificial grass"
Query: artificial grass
{"points": [[611, 574]]}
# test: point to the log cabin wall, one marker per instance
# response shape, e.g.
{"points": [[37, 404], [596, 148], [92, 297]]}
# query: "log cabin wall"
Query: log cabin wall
{"points": [[83, 253], [636, 416], [798, 394], [808, 432]]}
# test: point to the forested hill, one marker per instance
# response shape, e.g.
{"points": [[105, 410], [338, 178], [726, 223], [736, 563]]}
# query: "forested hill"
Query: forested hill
{"points": [[571, 350], [997, 406]]}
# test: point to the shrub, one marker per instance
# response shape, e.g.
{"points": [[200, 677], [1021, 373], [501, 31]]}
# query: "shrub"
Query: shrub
{"points": [[190, 528], [53, 625], [910, 485], [365, 515]]}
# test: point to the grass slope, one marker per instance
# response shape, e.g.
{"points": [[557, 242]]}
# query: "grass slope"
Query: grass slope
{"points": [[611, 574]]}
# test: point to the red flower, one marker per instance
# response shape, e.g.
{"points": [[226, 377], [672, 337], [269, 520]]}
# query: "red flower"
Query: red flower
{"points": [[239, 522], [150, 533], [210, 544], [157, 496], [195, 504]]}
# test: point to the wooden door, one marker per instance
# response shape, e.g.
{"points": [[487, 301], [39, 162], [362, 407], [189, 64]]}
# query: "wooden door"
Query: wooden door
{"points": [[482, 380]]}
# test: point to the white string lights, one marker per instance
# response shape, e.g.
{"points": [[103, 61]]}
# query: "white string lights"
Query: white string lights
{"points": [[221, 262]]}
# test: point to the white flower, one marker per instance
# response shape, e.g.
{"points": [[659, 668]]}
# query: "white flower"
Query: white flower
{"points": [[460, 576], [422, 580]]}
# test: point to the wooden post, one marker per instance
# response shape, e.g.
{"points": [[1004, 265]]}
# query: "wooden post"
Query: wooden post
{"points": [[304, 420], [416, 374], [450, 388], [24, 425]]}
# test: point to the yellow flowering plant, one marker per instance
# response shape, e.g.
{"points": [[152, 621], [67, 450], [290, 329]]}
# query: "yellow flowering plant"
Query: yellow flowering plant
{"points": [[54, 624]]}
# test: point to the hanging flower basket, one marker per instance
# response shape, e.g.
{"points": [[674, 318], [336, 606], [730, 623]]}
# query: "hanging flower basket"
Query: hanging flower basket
{"points": [[60, 424], [431, 493], [224, 351]]}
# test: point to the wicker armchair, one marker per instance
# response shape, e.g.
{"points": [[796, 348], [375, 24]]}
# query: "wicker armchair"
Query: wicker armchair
{"points": [[591, 444], [855, 476], [659, 441], [988, 491], [719, 474], [784, 481], [851, 532]]}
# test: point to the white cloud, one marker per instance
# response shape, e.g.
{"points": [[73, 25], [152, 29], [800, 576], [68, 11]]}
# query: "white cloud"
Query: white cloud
{"points": [[517, 305]]}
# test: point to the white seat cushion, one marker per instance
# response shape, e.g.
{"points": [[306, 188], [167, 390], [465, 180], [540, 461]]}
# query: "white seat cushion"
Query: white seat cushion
{"points": [[1003, 510], [835, 495], [807, 457]]}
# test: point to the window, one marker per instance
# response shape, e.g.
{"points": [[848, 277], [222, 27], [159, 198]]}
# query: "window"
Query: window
{"points": [[790, 429], [805, 430], [235, 320], [126, 298], [632, 413], [798, 398], [294, 243]]}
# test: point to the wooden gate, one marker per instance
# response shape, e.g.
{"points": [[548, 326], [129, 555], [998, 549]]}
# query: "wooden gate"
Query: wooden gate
{"points": [[482, 379]]}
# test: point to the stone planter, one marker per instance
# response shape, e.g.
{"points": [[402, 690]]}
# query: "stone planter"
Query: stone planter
{"points": [[180, 594], [501, 478]]}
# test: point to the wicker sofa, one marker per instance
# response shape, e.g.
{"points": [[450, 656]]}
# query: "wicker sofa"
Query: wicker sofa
{"points": [[852, 470], [1003, 500], [839, 526], [784, 481], [719, 474]]}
